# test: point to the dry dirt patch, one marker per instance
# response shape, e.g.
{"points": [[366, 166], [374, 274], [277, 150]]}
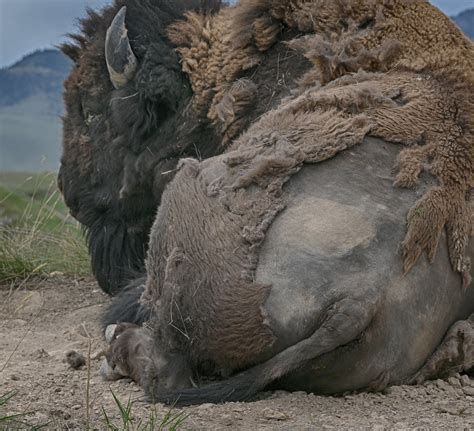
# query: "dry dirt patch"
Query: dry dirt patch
{"points": [[41, 321]]}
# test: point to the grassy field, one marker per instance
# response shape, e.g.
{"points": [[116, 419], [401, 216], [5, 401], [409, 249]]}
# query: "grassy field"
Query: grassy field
{"points": [[37, 236]]}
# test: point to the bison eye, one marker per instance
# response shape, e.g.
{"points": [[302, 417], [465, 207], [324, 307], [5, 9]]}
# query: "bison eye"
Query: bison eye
{"points": [[88, 114], [89, 118]]}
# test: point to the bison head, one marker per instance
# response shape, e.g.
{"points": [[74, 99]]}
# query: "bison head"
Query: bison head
{"points": [[126, 125]]}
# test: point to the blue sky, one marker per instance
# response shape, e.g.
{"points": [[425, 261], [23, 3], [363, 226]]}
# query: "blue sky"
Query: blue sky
{"points": [[27, 25]]}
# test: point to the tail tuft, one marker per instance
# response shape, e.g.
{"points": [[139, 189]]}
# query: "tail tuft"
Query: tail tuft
{"points": [[241, 387]]}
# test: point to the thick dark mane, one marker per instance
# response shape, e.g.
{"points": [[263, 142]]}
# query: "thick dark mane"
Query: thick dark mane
{"points": [[119, 144], [147, 22]]}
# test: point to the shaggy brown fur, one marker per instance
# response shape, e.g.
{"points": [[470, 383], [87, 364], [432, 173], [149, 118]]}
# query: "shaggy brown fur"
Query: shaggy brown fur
{"points": [[348, 36]]}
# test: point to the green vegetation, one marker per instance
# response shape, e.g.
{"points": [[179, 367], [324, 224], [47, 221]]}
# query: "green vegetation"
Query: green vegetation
{"points": [[171, 421], [14, 421], [37, 236]]}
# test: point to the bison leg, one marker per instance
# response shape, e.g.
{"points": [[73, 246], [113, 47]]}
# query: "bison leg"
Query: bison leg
{"points": [[128, 354], [342, 323], [455, 354], [132, 353], [126, 306]]}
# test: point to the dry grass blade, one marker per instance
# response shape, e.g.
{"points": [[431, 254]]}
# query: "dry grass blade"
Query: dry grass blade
{"points": [[37, 236]]}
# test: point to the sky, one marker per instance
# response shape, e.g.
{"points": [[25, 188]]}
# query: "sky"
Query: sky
{"points": [[28, 25]]}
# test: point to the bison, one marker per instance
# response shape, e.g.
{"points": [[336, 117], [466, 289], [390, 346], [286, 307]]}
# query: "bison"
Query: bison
{"points": [[264, 263]]}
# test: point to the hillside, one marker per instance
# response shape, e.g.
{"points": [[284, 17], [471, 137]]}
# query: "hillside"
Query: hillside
{"points": [[30, 107]]}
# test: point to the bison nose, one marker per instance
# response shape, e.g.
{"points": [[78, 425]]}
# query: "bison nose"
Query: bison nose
{"points": [[124, 193]]}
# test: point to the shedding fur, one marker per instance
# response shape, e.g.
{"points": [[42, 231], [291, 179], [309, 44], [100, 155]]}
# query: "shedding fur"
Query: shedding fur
{"points": [[343, 38]]}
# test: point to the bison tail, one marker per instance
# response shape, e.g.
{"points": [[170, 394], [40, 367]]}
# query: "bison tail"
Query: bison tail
{"points": [[126, 306], [345, 321], [240, 387]]}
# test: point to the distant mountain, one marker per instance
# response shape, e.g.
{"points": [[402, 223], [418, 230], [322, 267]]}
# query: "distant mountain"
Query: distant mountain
{"points": [[465, 20], [40, 72], [30, 107]]}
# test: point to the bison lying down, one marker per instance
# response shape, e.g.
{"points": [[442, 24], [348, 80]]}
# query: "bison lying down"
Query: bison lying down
{"points": [[267, 264], [338, 315]]}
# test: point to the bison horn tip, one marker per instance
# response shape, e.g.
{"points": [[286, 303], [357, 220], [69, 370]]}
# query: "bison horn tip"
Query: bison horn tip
{"points": [[110, 333], [121, 61]]}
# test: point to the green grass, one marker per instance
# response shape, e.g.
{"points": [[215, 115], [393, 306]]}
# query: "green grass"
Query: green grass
{"points": [[37, 236], [171, 422], [14, 421]]}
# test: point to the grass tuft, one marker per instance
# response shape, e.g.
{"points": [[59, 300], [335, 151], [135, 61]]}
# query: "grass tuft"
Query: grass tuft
{"points": [[37, 236], [13, 421], [172, 421]]}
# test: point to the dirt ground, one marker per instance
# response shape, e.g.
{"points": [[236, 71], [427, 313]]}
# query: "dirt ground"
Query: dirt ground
{"points": [[41, 321]]}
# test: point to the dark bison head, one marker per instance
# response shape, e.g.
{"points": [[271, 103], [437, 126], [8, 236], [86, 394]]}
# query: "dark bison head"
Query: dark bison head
{"points": [[126, 125]]}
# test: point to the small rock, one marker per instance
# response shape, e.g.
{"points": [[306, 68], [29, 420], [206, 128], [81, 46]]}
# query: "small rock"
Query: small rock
{"points": [[468, 412], [274, 415], [75, 359], [227, 420], [41, 354], [465, 380], [441, 384], [452, 408], [393, 390], [431, 390], [76, 407], [468, 390], [454, 382]]}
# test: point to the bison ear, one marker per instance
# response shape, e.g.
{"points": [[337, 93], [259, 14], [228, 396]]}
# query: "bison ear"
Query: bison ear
{"points": [[121, 61]]}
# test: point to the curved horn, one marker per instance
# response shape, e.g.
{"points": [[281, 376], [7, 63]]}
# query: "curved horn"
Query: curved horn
{"points": [[121, 60]]}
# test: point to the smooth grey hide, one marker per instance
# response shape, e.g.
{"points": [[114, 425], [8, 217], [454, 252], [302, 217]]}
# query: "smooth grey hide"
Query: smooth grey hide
{"points": [[337, 240]]}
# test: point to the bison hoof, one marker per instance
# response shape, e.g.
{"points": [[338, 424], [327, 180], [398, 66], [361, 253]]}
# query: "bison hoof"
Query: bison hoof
{"points": [[109, 373], [110, 333]]}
